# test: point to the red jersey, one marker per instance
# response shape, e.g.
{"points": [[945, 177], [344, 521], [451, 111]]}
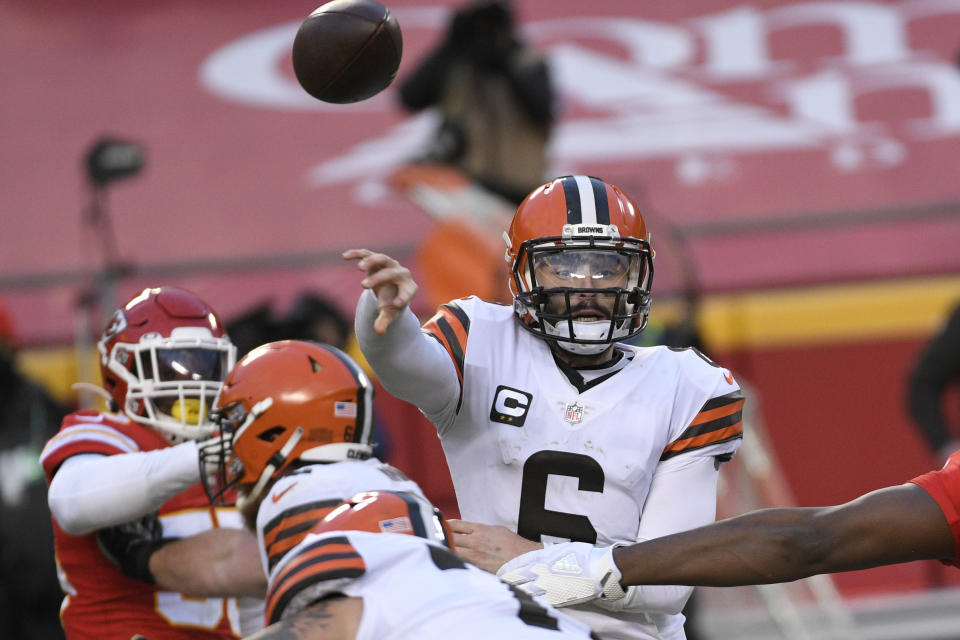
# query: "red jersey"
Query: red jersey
{"points": [[101, 602], [944, 486]]}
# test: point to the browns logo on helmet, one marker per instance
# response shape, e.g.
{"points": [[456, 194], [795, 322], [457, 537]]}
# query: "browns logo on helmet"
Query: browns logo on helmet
{"points": [[582, 265], [163, 357]]}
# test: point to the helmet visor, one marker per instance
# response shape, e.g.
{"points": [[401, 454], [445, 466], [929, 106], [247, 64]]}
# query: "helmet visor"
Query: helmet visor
{"points": [[585, 269], [185, 365]]}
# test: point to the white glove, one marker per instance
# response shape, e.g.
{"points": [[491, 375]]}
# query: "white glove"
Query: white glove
{"points": [[566, 574]]}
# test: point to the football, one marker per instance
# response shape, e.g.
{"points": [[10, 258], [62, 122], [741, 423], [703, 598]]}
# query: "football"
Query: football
{"points": [[347, 51]]}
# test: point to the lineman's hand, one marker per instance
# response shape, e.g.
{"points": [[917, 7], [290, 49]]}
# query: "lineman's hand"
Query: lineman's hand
{"points": [[488, 546], [566, 574], [390, 281], [130, 545]]}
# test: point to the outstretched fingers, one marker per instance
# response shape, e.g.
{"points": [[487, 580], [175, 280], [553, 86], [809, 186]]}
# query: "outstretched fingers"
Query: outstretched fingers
{"points": [[391, 283]]}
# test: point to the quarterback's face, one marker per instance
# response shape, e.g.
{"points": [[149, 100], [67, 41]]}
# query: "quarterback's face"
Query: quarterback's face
{"points": [[588, 271]]}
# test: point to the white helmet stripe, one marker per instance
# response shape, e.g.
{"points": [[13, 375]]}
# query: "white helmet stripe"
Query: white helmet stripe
{"points": [[588, 206], [366, 391]]}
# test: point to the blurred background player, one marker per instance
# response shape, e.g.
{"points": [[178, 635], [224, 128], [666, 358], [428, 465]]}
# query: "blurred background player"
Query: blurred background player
{"points": [[932, 380], [919, 520], [124, 483], [311, 317], [29, 592], [495, 101], [381, 566], [553, 428]]}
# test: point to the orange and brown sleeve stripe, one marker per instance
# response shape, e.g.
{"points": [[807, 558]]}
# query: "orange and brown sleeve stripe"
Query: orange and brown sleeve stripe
{"points": [[327, 559], [286, 530], [720, 420], [450, 327]]}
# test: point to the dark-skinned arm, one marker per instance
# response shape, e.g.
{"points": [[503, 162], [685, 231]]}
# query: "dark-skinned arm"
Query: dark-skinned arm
{"points": [[887, 526]]}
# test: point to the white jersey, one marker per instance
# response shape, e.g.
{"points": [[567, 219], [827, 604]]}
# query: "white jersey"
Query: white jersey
{"points": [[411, 589], [569, 463], [301, 498]]}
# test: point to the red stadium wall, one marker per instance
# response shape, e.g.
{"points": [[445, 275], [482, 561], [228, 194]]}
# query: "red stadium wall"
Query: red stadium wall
{"points": [[837, 440]]}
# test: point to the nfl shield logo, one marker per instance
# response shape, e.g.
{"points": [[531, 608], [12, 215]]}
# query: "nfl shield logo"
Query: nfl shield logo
{"points": [[573, 413]]}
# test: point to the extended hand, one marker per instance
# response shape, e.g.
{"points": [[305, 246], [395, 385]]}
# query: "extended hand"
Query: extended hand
{"points": [[130, 545], [566, 574], [390, 281], [488, 546]]}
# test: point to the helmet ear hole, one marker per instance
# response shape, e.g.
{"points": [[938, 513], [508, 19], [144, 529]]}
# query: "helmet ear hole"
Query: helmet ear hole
{"points": [[272, 434]]}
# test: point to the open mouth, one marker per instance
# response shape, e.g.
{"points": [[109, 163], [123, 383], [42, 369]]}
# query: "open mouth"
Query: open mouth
{"points": [[589, 315]]}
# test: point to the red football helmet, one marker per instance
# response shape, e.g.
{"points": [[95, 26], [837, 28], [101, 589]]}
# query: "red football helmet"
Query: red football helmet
{"points": [[582, 264], [286, 401], [163, 357], [388, 512]]}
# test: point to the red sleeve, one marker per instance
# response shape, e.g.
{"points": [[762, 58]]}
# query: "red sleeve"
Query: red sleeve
{"points": [[944, 487], [85, 432]]}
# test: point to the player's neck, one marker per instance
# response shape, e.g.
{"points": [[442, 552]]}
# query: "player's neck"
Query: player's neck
{"points": [[582, 360]]}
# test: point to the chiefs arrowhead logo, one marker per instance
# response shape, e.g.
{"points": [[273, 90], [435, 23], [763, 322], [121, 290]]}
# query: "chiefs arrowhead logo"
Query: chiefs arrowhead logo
{"points": [[117, 324]]}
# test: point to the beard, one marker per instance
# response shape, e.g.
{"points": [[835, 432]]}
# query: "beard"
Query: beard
{"points": [[248, 508]]}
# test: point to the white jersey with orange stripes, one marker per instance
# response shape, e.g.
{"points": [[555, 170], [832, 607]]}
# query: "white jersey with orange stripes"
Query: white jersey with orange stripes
{"points": [[411, 589], [532, 452], [301, 498]]}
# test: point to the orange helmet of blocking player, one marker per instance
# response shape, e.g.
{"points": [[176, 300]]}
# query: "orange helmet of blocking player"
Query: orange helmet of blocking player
{"points": [[288, 401]]}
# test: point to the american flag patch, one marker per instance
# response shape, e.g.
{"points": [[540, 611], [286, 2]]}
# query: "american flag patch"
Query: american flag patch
{"points": [[345, 409], [400, 524]]}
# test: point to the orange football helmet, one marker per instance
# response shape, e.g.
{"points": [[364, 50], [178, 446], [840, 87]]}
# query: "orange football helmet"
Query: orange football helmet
{"points": [[163, 357], [582, 264], [388, 512], [288, 401]]}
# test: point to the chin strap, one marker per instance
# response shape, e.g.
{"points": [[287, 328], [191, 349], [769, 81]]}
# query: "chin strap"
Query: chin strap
{"points": [[582, 349], [94, 389], [277, 460]]}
